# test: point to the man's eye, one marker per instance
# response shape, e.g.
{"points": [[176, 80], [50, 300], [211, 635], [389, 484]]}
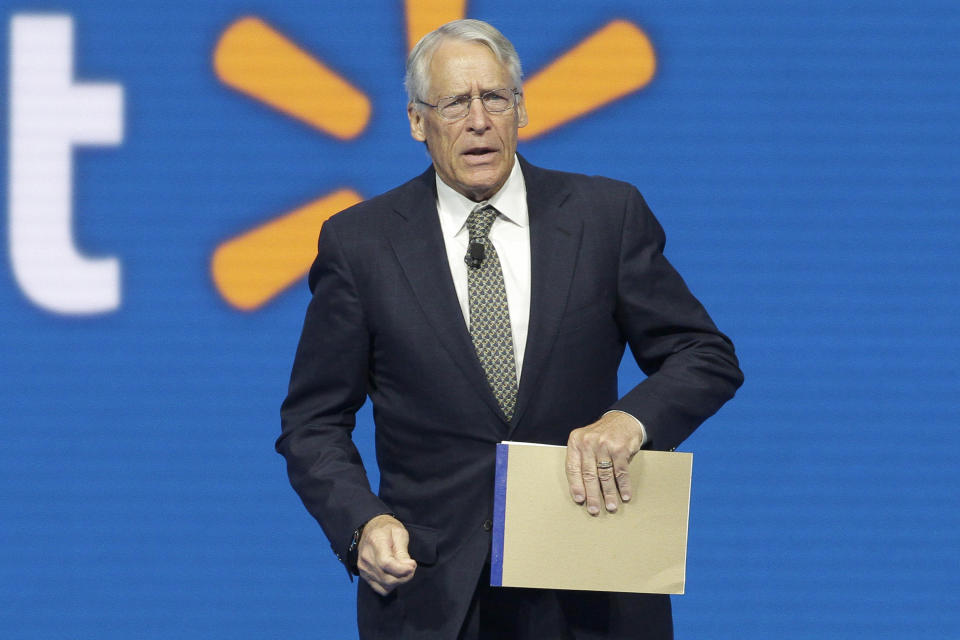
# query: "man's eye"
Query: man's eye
{"points": [[459, 101]]}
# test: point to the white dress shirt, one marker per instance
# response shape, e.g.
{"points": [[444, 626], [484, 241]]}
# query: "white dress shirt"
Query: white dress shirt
{"points": [[510, 235]]}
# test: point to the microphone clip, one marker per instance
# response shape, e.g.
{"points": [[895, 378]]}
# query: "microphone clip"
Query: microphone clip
{"points": [[474, 257]]}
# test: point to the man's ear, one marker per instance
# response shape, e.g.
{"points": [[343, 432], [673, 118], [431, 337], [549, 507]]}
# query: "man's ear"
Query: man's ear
{"points": [[521, 111], [416, 122]]}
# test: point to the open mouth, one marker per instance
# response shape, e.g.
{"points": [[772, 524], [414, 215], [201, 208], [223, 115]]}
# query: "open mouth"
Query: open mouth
{"points": [[480, 153]]}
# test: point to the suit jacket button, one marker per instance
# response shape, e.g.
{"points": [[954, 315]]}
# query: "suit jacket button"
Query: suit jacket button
{"points": [[487, 525]]}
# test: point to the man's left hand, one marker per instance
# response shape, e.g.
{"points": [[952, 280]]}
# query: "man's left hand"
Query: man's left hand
{"points": [[598, 458]]}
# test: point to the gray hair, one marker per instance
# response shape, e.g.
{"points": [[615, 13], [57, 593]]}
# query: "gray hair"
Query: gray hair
{"points": [[418, 62]]}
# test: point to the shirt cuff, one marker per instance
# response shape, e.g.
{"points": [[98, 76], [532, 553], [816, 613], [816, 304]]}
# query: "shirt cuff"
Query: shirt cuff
{"points": [[643, 430]]}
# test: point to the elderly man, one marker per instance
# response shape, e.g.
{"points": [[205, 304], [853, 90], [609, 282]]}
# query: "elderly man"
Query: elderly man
{"points": [[486, 300]]}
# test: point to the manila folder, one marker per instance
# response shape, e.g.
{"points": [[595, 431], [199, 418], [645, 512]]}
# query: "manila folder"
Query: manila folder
{"points": [[542, 539]]}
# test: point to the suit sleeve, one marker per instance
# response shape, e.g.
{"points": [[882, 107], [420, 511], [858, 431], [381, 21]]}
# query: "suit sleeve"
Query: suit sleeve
{"points": [[691, 366], [328, 384]]}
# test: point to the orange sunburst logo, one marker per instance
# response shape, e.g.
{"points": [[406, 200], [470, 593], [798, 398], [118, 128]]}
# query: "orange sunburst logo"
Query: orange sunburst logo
{"points": [[251, 57]]}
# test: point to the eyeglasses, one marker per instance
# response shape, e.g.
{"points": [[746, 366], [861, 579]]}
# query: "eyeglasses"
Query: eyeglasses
{"points": [[456, 107]]}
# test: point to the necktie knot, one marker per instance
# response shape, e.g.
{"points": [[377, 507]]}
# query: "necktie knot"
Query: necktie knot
{"points": [[479, 222]]}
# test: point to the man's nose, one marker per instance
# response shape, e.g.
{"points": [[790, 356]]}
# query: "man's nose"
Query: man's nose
{"points": [[477, 118]]}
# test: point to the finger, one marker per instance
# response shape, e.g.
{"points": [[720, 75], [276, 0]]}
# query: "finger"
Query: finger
{"points": [[608, 482], [399, 541], [399, 564], [574, 478], [621, 470], [396, 568], [369, 567], [591, 484], [372, 574], [381, 578], [382, 585], [399, 570]]}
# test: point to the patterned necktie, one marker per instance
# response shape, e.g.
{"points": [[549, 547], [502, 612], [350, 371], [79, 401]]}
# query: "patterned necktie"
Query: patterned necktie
{"points": [[489, 315]]}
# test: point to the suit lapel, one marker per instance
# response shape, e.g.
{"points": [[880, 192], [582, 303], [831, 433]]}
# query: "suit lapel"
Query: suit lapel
{"points": [[418, 244], [555, 231]]}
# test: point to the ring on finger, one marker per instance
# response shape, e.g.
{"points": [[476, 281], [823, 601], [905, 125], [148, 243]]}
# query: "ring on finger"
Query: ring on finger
{"points": [[604, 464]]}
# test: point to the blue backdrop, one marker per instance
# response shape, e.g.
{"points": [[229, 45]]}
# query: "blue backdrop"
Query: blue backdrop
{"points": [[803, 160]]}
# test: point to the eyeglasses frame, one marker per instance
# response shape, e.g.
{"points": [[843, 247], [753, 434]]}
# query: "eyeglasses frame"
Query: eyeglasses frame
{"points": [[436, 107]]}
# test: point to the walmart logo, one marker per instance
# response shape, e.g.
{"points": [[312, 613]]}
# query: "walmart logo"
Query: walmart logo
{"points": [[251, 57], [51, 113]]}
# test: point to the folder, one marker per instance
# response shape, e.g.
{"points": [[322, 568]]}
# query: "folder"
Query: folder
{"points": [[543, 539]]}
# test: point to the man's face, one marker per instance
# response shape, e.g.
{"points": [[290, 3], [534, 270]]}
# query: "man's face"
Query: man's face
{"points": [[473, 155]]}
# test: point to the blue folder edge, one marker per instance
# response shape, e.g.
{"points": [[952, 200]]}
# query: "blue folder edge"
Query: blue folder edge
{"points": [[499, 510]]}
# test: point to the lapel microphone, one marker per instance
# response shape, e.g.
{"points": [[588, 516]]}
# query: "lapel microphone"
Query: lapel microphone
{"points": [[474, 256]]}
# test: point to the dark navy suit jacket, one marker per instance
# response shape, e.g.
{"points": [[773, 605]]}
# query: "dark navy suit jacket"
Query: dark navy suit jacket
{"points": [[384, 322]]}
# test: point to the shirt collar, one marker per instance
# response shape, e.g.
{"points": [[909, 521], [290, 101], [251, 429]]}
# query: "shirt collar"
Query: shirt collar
{"points": [[510, 200]]}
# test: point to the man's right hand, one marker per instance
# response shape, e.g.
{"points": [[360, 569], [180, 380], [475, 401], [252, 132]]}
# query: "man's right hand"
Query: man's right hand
{"points": [[382, 557]]}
